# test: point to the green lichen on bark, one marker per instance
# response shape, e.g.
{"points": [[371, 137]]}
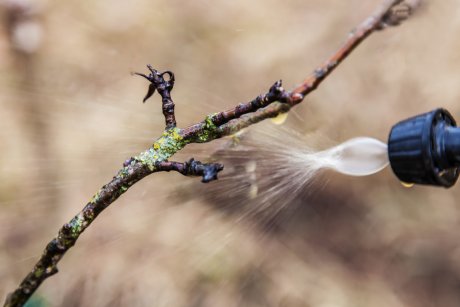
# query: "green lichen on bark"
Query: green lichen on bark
{"points": [[39, 272], [95, 198], [164, 147], [209, 130]]}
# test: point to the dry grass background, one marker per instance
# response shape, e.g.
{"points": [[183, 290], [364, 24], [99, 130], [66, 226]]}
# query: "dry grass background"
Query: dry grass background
{"points": [[71, 113]]}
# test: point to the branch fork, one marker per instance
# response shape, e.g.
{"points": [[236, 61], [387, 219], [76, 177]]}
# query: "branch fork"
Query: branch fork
{"points": [[173, 139]]}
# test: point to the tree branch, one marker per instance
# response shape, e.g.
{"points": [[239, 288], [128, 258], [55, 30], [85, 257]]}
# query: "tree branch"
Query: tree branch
{"points": [[173, 139], [193, 168]]}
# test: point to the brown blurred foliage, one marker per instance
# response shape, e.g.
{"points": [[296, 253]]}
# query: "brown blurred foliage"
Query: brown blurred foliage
{"points": [[71, 113]]}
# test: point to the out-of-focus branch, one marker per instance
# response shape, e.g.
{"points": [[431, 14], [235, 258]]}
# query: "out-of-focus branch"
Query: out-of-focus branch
{"points": [[271, 104], [399, 12], [173, 139]]}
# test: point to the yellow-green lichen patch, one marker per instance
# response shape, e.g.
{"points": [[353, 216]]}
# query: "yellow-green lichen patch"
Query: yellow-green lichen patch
{"points": [[209, 130], [39, 272], [167, 145], [95, 198]]}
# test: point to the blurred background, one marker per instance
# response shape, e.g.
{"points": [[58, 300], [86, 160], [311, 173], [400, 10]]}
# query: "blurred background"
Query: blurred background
{"points": [[71, 113]]}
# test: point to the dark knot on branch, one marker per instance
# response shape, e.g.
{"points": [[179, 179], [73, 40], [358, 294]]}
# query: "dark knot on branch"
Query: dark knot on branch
{"points": [[208, 171], [277, 93], [399, 12]]}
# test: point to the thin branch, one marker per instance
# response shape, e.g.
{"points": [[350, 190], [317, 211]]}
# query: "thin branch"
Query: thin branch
{"points": [[263, 107], [69, 233], [173, 139], [275, 93]]}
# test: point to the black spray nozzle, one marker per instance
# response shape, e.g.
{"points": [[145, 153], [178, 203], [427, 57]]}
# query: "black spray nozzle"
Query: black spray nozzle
{"points": [[425, 149]]}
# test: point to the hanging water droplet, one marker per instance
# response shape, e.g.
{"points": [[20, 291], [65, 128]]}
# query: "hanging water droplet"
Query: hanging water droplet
{"points": [[356, 157], [407, 185], [280, 119]]}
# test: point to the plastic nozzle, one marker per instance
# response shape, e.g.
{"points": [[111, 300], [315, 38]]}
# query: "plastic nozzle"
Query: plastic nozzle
{"points": [[425, 149]]}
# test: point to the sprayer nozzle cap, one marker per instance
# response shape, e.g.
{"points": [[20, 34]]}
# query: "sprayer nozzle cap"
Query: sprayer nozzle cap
{"points": [[412, 146]]}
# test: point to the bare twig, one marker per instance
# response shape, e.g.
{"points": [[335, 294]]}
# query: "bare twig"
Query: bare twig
{"points": [[173, 139], [164, 87]]}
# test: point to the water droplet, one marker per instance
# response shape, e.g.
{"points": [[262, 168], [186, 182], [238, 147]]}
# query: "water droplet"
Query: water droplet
{"points": [[407, 185], [360, 156], [280, 119]]}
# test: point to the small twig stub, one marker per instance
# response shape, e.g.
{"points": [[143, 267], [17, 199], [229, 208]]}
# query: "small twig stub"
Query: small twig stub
{"points": [[164, 87]]}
